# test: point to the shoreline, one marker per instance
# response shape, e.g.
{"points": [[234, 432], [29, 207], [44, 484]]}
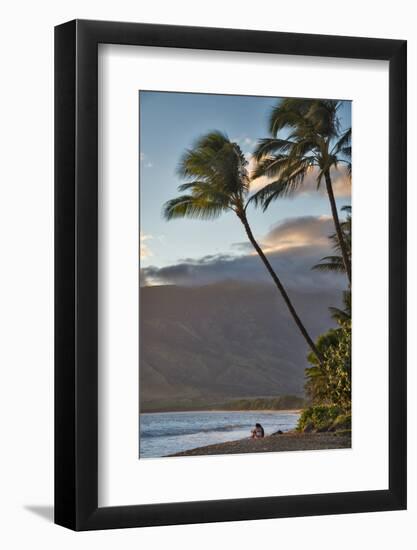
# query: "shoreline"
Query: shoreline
{"points": [[288, 441]]}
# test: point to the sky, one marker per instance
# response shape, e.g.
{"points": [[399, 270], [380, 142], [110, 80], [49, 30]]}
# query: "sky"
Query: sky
{"points": [[293, 231]]}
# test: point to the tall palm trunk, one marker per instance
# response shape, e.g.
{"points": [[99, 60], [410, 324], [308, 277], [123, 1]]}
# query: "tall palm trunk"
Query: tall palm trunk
{"points": [[280, 286], [339, 233]]}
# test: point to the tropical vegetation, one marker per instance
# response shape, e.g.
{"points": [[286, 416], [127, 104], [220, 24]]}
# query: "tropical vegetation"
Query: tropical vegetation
{"points": [[313, 140], [306, 139], [335, 262], [329, 382]]}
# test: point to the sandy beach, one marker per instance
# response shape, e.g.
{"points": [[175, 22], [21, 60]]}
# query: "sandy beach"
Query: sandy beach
{"points": [[290, 441]]}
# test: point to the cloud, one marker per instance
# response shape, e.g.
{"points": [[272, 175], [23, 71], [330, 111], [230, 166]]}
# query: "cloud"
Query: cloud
{"points": [[304, 231], [258, 183], [292, 246], [300, 232], [341, 182], [245, 141], [145, 251], [249, 142]]}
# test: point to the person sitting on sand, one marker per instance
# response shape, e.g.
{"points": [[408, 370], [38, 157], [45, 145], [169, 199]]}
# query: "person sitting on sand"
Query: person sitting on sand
{"points": [[258, 432]]}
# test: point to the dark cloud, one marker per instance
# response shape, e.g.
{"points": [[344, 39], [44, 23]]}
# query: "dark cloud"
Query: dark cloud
{"points": [[206, 259], [293, 247]]}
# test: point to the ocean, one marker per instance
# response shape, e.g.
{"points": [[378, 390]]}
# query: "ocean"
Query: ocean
{"points": [[167, 433]]}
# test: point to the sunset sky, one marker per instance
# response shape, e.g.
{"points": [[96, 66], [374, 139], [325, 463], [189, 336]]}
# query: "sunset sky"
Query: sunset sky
{"points": [[293, 230]]}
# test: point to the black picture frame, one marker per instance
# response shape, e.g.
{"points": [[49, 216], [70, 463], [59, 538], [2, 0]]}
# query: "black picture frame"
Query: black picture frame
{"points": [[76, 272]]}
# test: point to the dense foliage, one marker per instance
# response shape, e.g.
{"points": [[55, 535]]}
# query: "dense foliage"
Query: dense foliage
{"points": [[329, 382], [323, 418]]}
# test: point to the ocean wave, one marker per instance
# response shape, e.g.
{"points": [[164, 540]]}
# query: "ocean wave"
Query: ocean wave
{"points": [[154, 432]]}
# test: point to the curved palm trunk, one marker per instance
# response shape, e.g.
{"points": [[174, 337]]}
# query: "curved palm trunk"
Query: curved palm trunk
{"points": [[281, 288], [339, 233]]}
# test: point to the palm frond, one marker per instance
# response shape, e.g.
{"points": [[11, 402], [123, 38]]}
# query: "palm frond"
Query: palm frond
{"points": [[322, 115], [311, 124], [330, 263], [335, 262], [217, 161], [218, 180], [269, 146], [193, 185], [271, 167], [290, 178], [214, 140], [346, 152], [289, 113], [316, 116], [345, 140], [187, 206], [338, 314], [342, 315], [264, 196]]}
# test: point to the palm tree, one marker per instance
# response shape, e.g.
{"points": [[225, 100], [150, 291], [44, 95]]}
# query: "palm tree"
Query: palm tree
{"points": [[218, 182], [345, 314], [314, 140], [335, 262]]}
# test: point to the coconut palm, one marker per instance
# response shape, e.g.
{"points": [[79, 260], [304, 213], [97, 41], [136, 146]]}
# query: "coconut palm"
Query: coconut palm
{"points": [[218, 182], [335, 262], [313, 140], [345, 314]]}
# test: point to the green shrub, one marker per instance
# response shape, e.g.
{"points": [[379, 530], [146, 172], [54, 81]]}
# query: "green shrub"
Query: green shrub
{"points": [[329, 382], [342, 422], [318, 418]]}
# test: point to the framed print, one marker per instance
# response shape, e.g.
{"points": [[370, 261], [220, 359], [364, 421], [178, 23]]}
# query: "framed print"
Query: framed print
{"points": [[230, 244]]}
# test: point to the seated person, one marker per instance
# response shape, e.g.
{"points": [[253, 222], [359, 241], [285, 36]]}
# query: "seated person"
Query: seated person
{"points": [[258, 432]]}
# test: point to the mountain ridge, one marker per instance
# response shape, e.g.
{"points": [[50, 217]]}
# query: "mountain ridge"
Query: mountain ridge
{"points": [[224, 340]]}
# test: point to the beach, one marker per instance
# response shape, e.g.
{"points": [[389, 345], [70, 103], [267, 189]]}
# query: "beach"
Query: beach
{"points": [[168, 433], [290, 441]]}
